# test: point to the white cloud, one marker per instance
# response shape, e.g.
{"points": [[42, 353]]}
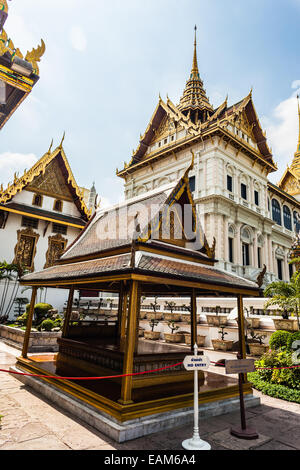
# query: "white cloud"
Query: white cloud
{"points": [[282, 129], [11, 163], [78, 38]]}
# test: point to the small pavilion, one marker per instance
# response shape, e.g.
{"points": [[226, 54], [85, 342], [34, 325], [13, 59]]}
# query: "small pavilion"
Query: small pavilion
{"points": [[151, 245]]}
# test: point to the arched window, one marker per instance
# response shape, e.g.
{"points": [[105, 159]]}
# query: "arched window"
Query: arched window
{"points": [[58, 205], [231, 236], [287, 218], [37, 200], [296, 222], [276, 212]]}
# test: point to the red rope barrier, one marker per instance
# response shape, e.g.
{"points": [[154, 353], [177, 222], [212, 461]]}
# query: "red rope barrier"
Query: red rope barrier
{"points": [[91, 378], [127, 375]]}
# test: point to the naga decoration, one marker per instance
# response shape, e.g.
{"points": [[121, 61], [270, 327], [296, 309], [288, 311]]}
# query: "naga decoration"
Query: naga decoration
{"points": [[7, 45], [35, 56]]}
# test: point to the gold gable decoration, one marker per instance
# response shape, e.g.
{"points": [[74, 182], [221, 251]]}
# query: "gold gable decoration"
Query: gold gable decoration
{"points": [[38, 169], [51, 182]]}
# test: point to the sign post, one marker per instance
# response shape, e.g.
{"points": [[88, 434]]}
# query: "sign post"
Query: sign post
{"points": [[240, 367], [195, 363]]}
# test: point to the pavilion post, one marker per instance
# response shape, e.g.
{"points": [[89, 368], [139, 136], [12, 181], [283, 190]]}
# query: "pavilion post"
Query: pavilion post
{"points": [[29, 323], [241, 325], [126, 391], [193, 319], [68, 313], [120, 309]]}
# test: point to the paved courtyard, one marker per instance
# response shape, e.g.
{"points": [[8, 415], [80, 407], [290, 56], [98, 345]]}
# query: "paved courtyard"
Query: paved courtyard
{"points": [[30, 422]]}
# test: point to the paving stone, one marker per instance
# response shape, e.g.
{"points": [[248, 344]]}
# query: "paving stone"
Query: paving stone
{"points": [[275, 445], [42, 443], [291, 437], [225, 439]]}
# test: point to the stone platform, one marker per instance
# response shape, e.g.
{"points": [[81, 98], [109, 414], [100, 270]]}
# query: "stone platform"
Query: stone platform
{"points": [[133, 429]]}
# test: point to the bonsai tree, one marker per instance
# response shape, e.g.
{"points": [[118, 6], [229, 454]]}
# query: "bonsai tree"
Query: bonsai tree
{"points": [[286, 295], [173, 327], [218, 310], [222, 333], [258, 337], [171, 305], [155, 304], [20, 302], [153, 323]]}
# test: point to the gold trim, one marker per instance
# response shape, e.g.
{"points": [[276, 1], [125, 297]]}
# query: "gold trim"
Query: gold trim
{"points": [[34, 216], [28, 232]]}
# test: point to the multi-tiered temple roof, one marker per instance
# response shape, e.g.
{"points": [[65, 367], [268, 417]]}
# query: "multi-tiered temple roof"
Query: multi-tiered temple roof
{"points": [[18, 73], [174, 128]]}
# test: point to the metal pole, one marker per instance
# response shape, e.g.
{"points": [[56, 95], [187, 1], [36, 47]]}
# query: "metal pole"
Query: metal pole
{"points": [[196, 443]]}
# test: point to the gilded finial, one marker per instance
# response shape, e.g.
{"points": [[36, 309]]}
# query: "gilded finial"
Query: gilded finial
{"points": [[35, 56], [50, 148], [62, 140], [298, 147]]}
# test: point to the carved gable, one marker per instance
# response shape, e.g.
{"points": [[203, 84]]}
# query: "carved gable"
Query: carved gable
{"points": [[51, 183], [290, 184]]}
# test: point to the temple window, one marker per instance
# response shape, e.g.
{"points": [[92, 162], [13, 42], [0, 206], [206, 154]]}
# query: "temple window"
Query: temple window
{"points": [[296, 222], [37, 200], [279, 269], [58, 205], [229, 183], [29, 222], [287, 218], [246, 242], [26, 248], [56, 247], [58, 228], [276, 212], [256, 198], [244, 191], [231, 235], [192, 181]]}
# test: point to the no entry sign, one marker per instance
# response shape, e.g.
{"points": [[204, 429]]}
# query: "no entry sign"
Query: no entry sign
{"points": [[196, 362]]}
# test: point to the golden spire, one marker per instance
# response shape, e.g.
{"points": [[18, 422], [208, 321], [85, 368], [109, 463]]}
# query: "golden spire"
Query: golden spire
{"points": [[194, 97], [298, 147], [195, 70]]}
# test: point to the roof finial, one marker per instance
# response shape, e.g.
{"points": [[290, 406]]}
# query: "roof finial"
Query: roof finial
{"points": [[62, 140], [50, 148], [195, 61], [298, 147]]}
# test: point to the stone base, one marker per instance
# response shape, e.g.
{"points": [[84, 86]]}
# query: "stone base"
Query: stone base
{"points": [[133, 429]]}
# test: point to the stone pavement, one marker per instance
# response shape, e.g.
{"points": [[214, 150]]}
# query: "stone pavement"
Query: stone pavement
{"points": [[30, 422]]}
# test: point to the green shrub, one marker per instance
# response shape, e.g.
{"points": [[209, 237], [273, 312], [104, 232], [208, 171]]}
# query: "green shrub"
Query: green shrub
{"points": [[47, 325], [22, 320], [293, 337], [277, 371], [274, 390], [279, 339]]}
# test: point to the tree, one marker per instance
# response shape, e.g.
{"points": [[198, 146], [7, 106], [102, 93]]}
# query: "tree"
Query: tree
{"points": [[286, 295]]}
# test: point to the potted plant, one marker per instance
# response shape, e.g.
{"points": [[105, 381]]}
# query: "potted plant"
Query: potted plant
{"points": [[286, 296], [173, 337], [252, 322], [153, 335], [186, 317], [143, 313], [222, 344], [155, 315], [257, 348], [217, 319], [200, 339], [171, 316]]}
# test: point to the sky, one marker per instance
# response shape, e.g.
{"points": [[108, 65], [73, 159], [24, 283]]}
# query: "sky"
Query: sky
{"points": [[106, 62]]}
